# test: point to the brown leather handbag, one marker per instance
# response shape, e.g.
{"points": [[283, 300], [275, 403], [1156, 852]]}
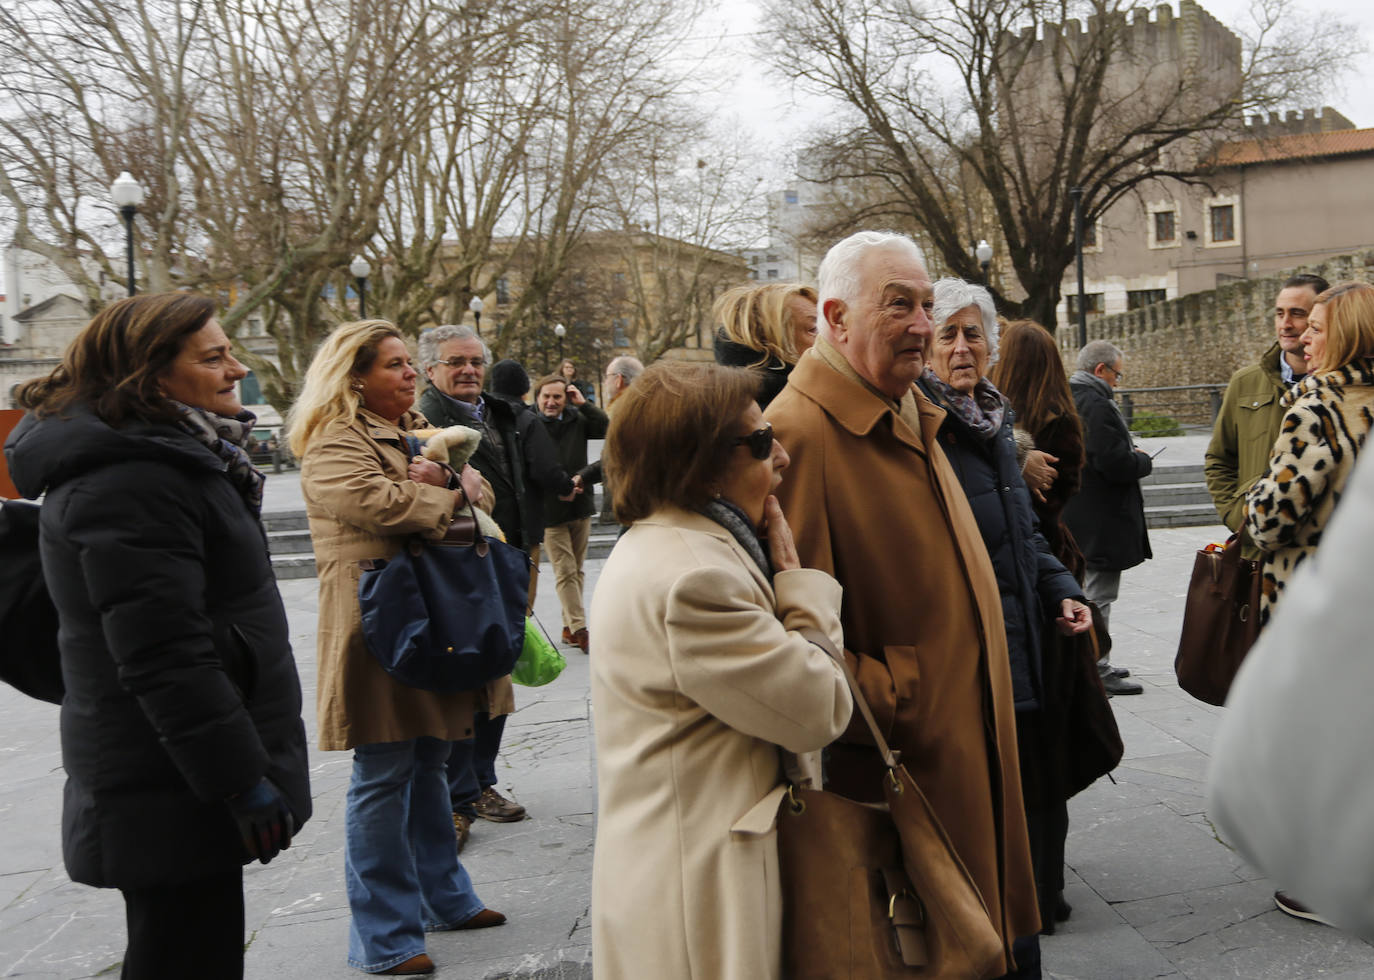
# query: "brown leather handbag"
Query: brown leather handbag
{"points": [[875, 890], [1220, 621]]}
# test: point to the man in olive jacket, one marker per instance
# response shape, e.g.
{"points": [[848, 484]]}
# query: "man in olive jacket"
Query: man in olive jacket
{"points": [[1251, 413]]}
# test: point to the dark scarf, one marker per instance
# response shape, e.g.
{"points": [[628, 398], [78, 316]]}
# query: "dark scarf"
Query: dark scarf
{"points": [[226, 437], [729, 516], [982, 411]]}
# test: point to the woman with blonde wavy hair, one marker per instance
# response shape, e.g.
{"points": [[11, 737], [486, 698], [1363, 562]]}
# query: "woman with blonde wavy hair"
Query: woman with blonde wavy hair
{"points": [[1329, 416], [766, 326], [366, 494]]}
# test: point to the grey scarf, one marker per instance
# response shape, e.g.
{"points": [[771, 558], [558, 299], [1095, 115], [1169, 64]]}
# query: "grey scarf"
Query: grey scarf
{"points": [[226, 437], [729, 516]]}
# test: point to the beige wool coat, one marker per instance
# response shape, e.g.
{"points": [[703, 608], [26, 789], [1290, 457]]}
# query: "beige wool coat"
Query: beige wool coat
{"points": [[698, 676], [362, 505], [874, 501]]}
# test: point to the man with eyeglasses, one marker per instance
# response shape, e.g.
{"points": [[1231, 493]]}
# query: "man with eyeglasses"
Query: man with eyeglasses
{"points": [[1107, 515], [518, 458], [1251, 413]]}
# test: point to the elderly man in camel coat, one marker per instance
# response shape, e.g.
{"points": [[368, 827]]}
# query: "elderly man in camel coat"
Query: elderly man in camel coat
{"points": [[872, 500]]}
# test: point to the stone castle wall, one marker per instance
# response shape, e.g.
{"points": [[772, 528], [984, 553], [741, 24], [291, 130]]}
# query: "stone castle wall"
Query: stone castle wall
{"points": [[1204, 337]]}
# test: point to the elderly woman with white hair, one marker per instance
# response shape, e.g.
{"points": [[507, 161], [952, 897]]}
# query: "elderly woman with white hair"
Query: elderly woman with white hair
{"points": [[1035, 588]]}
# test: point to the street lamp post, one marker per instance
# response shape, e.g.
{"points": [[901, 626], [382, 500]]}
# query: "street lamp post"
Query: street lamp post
{"points": [[476, 305], [360, 269], [127, 195], [983, 251], [596, 346], [558, 331], [1077, 194]]}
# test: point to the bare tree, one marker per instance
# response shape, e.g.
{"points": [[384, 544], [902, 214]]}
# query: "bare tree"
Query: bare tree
{"points": [[973, 119]]}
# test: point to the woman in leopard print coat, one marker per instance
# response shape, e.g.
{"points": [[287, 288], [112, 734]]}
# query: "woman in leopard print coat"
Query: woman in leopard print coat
{"points": [[1329, 414]]}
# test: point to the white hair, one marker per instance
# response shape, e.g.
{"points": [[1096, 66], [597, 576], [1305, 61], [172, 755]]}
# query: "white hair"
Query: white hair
{"points": [[953, 295], [1098, 352], [432, 340], [839, 273]]}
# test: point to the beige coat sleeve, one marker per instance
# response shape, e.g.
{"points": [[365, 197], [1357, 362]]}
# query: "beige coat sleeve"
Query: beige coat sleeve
{"points": [[342, 475], [749, 667]]}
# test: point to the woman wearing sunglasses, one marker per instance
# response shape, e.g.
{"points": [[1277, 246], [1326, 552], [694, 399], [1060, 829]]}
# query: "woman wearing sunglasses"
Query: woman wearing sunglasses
{"points": [[712, 662]]}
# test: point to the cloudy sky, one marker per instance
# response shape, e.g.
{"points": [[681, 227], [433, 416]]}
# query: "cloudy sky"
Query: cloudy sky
{"points": [[767, 107]]}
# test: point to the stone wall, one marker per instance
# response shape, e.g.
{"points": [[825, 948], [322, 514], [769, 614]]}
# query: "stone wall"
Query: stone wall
{"points": [[1202, 338]]}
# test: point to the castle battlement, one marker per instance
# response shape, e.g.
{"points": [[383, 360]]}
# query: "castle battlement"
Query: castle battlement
{"points": [[1154, 34]]}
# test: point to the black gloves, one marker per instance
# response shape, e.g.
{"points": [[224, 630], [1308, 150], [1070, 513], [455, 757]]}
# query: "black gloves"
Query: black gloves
{"points": [[264, 820]]}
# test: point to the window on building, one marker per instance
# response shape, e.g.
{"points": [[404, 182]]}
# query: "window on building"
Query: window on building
{"points": [[789, 197], [1090, 234], [1166, 227], [1136, 298], [1092, 303], [1223, 222], [503, 290], [772, 273], [755, 258], [619, 337], [772, 257]]}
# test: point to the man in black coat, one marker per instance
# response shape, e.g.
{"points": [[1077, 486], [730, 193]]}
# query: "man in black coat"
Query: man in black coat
{"points": [[1107, 515], [518, 459], [570, 421]]}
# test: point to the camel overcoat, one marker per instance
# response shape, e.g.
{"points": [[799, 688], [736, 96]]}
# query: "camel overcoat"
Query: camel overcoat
{"points": [[699, 674], [361, 505], [876, 504]]}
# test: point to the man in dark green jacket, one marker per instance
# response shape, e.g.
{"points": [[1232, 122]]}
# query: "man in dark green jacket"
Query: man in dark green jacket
{"points": [[570, 420], [1251, 413]]}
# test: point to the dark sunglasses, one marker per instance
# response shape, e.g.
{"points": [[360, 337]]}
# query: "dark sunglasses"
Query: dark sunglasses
{"points": [[760, 442]]}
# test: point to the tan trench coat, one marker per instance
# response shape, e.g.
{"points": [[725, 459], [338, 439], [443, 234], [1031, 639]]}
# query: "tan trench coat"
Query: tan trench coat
{"points": [[362, 505], [698, 676], [877, 504]]}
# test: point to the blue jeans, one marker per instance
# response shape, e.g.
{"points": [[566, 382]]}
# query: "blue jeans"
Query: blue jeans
{"points": [[472, 763], [401, 868]]}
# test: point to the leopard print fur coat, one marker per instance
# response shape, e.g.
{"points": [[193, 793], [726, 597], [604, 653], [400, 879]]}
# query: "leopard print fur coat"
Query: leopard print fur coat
{"points": [[1328, 416]]}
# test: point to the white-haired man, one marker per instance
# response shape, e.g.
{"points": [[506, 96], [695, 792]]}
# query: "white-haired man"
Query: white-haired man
{"points": [[873, 500]]}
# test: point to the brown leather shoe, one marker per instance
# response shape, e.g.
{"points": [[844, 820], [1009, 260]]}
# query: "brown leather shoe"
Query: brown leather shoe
{"points": [[492, 806], [484, 919], [462, 826], [581, 638], [567, 636], [417, 965]]}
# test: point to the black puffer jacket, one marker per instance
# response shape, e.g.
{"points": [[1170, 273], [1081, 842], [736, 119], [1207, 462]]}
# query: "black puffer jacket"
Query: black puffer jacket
{"points": [[1107, 515], [181, 686], [1030, 579], [772, 372], [570, 433], [532, 468]]}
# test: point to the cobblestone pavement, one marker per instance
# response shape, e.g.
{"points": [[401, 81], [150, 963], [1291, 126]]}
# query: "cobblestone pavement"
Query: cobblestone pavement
{"points": [[1155, 892]]}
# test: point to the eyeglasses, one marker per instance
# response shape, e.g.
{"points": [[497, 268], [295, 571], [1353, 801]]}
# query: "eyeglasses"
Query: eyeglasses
{"points": [[1119, 374], [760, 442], [457, 362]]}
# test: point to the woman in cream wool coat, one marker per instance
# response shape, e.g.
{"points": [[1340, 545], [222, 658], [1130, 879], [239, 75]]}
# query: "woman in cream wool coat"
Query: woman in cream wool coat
{"points": [[708, 667]]}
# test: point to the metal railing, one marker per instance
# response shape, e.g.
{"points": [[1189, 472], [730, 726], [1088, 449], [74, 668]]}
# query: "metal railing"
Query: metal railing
{"points": [[1186, 404]]}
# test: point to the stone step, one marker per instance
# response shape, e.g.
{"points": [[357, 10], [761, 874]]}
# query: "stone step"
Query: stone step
{"points": [[1174, 494], [1187, 473], [1185, 515]]}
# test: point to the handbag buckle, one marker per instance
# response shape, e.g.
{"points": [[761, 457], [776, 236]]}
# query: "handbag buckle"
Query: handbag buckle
{"points": [[797, 806]]}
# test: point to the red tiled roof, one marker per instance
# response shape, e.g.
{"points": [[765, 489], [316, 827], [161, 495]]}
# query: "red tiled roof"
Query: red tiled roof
{"points": [[1295, 147]]}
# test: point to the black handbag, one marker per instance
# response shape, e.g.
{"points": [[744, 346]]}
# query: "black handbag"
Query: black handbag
{"points": [[446, 615]]}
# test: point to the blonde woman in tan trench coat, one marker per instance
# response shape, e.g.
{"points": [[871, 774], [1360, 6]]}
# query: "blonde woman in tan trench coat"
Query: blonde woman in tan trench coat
{"points": [[871, 493], [703, 673], [365, 496]]}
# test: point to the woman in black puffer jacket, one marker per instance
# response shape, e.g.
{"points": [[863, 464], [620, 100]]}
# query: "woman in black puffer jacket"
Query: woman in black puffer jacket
{"points": [[181, 726]]}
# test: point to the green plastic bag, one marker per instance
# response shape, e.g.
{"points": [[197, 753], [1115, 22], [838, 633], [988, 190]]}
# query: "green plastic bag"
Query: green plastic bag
{"points": [[540, 662]]}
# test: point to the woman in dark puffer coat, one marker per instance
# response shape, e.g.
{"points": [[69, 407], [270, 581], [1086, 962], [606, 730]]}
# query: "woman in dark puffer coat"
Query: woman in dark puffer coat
{"points": [[181, 727]]}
